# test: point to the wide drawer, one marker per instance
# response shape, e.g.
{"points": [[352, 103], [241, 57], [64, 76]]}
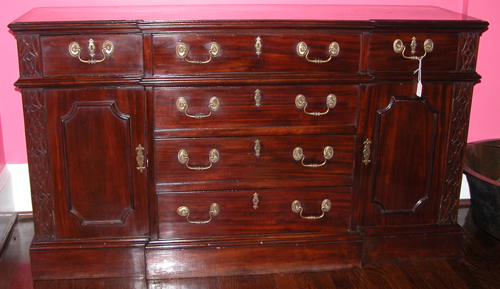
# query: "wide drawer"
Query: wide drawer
{"points": [[193, 161], [443, 57], [113, 54], [180, 108], [205, 52], [253, 212]]}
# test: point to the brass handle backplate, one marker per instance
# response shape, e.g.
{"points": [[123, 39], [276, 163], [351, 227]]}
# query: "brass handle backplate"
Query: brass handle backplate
{"points": [[140, 158], [297, 208], [257, 147], [257, 97], [399, 47], [182, 106], [183, 158], [184, 211], [107, 49], [182, 51], [298, 155], [258, 46], [255, 201], [301, 103], [366, 152], [303, 51]]}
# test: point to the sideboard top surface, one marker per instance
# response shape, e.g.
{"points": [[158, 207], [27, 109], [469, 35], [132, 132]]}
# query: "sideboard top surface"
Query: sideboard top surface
{"points": [[242, 12]]}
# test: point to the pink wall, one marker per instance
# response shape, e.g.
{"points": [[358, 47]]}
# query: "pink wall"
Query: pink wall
{"points": [[2, 155], [10, 99], [485, 117]]}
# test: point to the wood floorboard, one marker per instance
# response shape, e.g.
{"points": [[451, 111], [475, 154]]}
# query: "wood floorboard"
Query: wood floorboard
{"points": [[479, 268], [341, 280]]}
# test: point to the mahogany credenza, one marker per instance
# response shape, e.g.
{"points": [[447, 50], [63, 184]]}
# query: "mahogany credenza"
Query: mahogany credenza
{"points": [[182, 141]]}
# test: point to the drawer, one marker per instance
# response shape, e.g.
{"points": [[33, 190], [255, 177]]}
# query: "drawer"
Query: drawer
{"points": [[255, 106], [253, 212], [238, 52], [443, 56], [115, 54], [238, 160]]}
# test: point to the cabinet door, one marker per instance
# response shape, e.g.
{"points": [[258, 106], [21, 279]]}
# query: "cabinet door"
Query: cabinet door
{"points": [[96, 137], [405, 145]]}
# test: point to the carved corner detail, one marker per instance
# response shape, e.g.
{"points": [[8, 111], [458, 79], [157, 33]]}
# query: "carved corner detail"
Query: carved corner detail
{"points": [[456, 151], [469, 46], [35, 118], [30, 64]]}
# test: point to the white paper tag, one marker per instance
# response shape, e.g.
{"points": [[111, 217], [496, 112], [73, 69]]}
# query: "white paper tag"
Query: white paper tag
{"points": [[419, 89], [419, 74]]}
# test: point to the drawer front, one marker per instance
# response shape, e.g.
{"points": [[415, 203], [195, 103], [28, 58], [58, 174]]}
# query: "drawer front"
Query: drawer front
{"points": [[253, 212], [255, 106], [443, 56], [238, 160], [114, 54], [239, 52]]}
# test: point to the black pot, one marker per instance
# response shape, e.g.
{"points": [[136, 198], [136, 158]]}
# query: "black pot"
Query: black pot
{"points": [[482, 169]]}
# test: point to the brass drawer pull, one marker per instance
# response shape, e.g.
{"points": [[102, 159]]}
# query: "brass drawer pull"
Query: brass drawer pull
{"points": [[297, 208], [184, 211], [182, 106], [182, 52], [107, 49], [301, 103], [298, 155], [399, 47], [303, 51], [183, 158]]}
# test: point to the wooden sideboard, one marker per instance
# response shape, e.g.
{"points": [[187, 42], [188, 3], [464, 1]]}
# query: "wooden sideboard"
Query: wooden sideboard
{"points": [[182, 141]]}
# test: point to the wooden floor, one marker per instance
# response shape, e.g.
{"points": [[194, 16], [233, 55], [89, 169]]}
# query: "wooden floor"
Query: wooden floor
{"points": [[478, 268]]}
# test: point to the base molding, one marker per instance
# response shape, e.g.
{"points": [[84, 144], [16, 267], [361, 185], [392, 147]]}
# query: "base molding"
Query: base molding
{"points": [[397, 244], [162, 259], [265, 258], [96, 259], [7, 222]]}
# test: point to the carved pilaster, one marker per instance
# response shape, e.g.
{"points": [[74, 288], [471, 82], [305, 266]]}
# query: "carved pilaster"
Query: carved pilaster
{"points": [[469, 46], [456, 151], [30, 64], [35, 118]]}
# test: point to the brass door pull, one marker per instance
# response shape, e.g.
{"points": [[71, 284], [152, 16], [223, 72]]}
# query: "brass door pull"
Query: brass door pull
{"points": [[298, 155], [183, 158], [301, 103], [297, 208], [107, 49], [182, 106], [303, 51], [184, 211], [182, 51], [399, 47]]}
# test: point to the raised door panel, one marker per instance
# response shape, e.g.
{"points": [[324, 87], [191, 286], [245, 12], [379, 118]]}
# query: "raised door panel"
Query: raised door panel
{"points": [[96, 134], [403, 155], [403, 176]]}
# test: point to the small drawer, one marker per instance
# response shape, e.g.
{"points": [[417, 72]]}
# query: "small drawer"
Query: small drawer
{"points": [[443, 57], [229, 107], [90, 55], [204, 214], [239, 158], [204, 52]]}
